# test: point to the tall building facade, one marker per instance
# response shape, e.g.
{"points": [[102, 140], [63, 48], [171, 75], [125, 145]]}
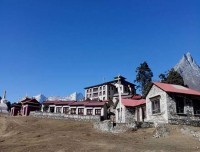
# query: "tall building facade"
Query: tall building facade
{"points": [[106, 90]]}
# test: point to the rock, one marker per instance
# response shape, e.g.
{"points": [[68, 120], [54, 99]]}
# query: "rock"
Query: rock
{"points": [[161, 130]]}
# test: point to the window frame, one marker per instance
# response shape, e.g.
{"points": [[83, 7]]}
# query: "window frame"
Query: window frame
{"points": [[155, 105], [80, 111], [58, 109], [97, 112], [89, 113], [73, 111]]}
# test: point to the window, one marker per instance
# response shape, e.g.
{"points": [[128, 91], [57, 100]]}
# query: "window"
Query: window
{"points": [[66, 110], [196, 107], [80, 111], [179, 105], [73, 111], [95, 89], [58, 110], [109, 88], [52, 109], [155, 106], [89, 111], [97, 111], [108, 92], [104, 93]]}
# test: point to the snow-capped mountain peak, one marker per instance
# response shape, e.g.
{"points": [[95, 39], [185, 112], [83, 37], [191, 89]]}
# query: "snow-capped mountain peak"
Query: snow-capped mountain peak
{"points": [[40, 98], [72, 97]]}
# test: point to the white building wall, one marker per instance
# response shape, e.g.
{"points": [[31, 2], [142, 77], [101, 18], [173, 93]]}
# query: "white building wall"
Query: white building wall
{"points": [[163, 115], [120, 113], [140, 111]]}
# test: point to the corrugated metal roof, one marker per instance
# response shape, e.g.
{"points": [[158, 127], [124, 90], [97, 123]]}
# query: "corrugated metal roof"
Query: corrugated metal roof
{"points": [[133, 102], [95, 104], [176, 88]]}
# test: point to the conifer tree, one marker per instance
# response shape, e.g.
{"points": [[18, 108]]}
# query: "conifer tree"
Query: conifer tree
{"points": [[172, 77], [144, 77]]}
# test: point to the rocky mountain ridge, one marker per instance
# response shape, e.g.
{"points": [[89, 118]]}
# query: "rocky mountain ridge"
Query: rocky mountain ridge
{"points": [[189, 70]]}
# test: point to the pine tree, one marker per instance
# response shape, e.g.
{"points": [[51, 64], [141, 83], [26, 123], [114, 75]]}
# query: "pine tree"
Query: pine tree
{"points": [[172, 77], [144, 77]]}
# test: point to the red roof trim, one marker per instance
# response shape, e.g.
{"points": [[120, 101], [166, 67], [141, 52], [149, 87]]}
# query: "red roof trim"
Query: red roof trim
{"points": [[133, 103], [176, 88]]}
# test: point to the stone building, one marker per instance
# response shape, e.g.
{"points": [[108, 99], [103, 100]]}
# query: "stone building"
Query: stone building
{"points": [[166, 101], [132, 109], [84, 108]]}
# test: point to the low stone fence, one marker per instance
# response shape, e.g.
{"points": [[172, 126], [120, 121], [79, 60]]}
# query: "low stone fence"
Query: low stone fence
{"points": [[107, 126], [64, 116], [185, 121]]}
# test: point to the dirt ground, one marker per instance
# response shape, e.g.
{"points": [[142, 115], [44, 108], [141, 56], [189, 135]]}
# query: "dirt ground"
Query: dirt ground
{"points": [[30, 134]]}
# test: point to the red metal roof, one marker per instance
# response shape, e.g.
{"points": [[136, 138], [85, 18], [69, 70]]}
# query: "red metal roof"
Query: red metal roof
{"points": [[58, 102], [176, 88], [49, 102], [76, 103], [89, 103], [95, 104], [81, 103], [29, 101], [137, 97], [64, 102], [133, 102]]}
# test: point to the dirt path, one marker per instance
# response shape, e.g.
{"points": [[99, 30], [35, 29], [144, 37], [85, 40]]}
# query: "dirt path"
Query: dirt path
{"points": [[31, 134], [2, 126]]}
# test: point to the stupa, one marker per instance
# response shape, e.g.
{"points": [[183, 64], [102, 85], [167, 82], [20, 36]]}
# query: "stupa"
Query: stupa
{"points": [[3, 105]]}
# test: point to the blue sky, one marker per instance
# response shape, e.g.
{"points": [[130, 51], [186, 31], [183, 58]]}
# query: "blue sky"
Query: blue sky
{"points": [[57, 47]]}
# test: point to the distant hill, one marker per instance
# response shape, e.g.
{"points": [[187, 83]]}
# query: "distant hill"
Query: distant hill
{"points": [[190, 71]]}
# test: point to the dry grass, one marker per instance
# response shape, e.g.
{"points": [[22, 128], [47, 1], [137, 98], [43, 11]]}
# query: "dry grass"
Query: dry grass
{"points": [[32, 134]]}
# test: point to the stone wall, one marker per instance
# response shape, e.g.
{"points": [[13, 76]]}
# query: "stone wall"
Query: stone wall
{"points": [[129, 115], [107, 126], [64, 116], [171, 106], [185, 121], [163, 115]]}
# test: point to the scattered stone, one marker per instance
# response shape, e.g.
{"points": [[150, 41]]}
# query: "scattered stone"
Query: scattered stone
{"points": [[187, 131], [161, 130]]}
